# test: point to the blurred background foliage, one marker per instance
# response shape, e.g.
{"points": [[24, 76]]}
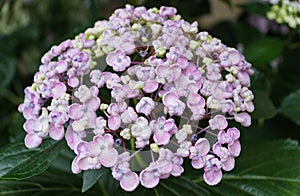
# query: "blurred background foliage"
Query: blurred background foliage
{"points": [[28, 28]]}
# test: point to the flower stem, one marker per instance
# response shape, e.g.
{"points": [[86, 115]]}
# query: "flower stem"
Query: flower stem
{"points": [[136, 153]]}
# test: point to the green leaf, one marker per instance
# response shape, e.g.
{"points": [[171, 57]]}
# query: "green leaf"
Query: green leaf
{"points": [[14, 130], [264, 168], [19, 162], [7, 61], [264, 107], [262, 51], [51, 182], [109, 185], [180, 186], [255, 7], [259, 81], [290, 106], [90, 177]]}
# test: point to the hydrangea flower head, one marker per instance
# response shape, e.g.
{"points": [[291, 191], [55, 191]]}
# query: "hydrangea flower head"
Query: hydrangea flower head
{"points": [[158, 79], [285, 12]]}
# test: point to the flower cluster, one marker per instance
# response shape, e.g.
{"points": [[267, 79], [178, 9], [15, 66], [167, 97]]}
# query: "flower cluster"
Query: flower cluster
{"points": [[139, 93], [285, 12]]}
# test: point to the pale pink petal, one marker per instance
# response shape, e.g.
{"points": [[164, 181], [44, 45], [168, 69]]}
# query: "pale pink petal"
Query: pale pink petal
{"points": [[202, 146], [72, 138], [148, 179], [234, 56], [110, 58], [162, 71], [212, 177], [198, 162], [94, 91], [161, 137], [61, 66], [129, 181], [234, 132], [170, 98], [218, 122], [32, 140], [243, 118], [109, 157], [58, 89], [73, 82], [114, 122], [177, 170], [244, 78], [56, 133], [228, 165], [175, 73], [127, 47], [150, 86], [93, 103], [165, 167], [83, 163], [235, 148], [29, 125], [74, 167], [76, 111]]}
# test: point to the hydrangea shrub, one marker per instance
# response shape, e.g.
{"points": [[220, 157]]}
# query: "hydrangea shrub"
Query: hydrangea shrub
{"points": [[285, 12], [141, 93]]}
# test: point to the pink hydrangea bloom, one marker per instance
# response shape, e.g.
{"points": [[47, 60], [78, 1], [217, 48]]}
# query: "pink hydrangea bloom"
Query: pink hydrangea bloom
{"points": [[218, 122], [36, 130], [145, 106], [212, 170], [118, 60], [228, 137], [198, 153], [165, 81], [129, 180], [174, 105], [141, 130], [163, 129], [94, 154]]}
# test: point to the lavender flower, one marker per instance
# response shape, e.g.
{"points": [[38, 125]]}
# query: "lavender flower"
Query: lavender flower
{"points": [[158, 78]]}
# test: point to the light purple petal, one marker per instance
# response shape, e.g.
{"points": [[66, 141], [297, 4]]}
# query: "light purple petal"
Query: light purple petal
{"points": [[58, 89], [170, 98], [76, 111], [73, 82], [148, 179], [218, 122], [74, 167], [93, 103], [228, 165], [56, 133], [29, 125], [235, 148], [164, 167], [72, 138], [114, 122], [129, 181], [161, 137], [109, 157], [150, 86], [198, 162], [202, 146], [234, 132], [243, 118], [32, 140], [177, 170], [212, 177], [83, 163]]}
